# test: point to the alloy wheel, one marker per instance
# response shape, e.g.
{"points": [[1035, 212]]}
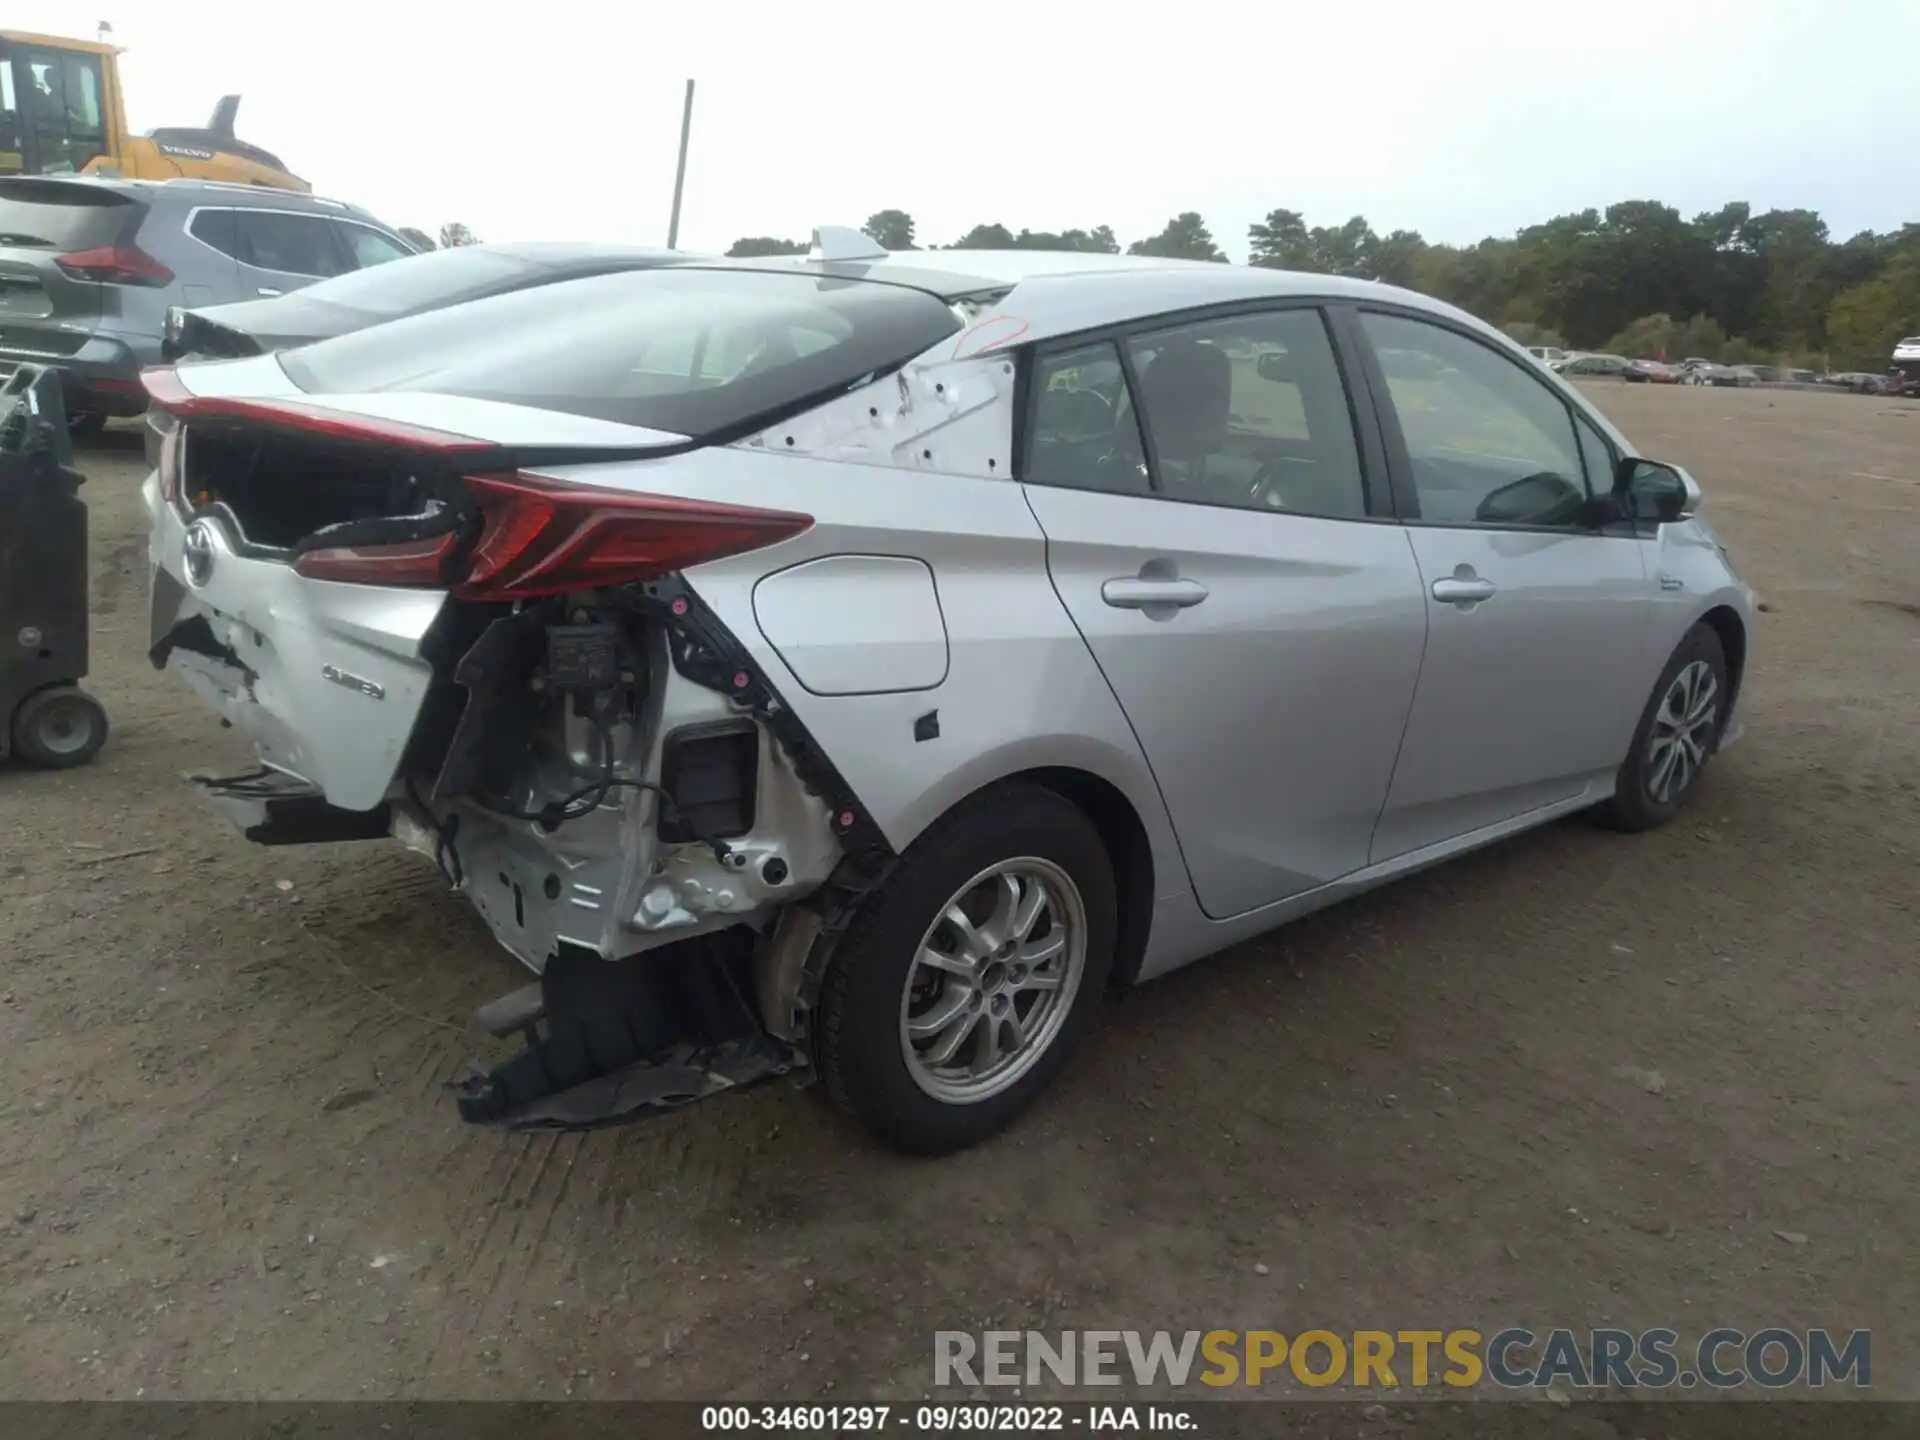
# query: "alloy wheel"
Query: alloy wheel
{"points": [[993, 980], [1683, 731]]}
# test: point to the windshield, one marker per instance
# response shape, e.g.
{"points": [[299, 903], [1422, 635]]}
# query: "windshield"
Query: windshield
{"points": [[421, 282], [691, 351]]}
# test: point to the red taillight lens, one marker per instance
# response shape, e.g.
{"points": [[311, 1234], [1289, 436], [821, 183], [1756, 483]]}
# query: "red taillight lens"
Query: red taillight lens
{"points": [[406, 562], [546, 537], [115, 265]]}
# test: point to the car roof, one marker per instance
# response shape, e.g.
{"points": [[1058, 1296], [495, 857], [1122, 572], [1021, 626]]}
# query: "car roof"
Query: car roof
{"points": [[584, 252], [204, 192], [1053, 292]]}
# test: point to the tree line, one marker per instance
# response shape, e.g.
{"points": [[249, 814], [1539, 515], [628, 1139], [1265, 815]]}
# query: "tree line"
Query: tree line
{"points": [[1635, 279]]}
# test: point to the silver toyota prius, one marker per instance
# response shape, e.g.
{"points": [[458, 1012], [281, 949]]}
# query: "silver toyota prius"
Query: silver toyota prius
{"points": [[846, 667]]}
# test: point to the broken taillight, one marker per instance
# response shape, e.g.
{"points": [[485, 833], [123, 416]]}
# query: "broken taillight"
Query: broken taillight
{"points": [[537, 536], [546, 537]]}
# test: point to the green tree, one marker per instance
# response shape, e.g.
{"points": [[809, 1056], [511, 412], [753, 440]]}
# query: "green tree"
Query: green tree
{"points": [[755, 245], [1185, 238], [890, 229], [1280, 242], [1867, 320], [985, 237]]}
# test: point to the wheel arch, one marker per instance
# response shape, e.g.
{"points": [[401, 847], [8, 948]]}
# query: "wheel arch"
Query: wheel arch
{"points": [[1128, 846], [1726, 623]]}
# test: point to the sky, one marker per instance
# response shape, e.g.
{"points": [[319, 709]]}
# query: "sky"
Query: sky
{"points": [[1459, 120]]}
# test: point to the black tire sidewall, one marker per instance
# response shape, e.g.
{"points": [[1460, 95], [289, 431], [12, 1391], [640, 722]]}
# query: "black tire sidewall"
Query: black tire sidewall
{"points": [[1633, 805], [859, 1047], [27, 746]]}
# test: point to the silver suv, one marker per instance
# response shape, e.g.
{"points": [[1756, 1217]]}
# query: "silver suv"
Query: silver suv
{"points": [[89, 268]]}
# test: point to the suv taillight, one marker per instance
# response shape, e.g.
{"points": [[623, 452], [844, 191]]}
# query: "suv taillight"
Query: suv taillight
{"points": [[115, 265], [547, 537]]}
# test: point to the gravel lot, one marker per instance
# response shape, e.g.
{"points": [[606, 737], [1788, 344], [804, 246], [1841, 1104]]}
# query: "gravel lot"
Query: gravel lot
{"points": [[1578, 1079]]}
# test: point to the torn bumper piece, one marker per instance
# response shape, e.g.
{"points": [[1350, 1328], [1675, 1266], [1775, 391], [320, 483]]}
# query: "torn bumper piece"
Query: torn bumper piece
{"points": [[271, 807], [609, 1043]]}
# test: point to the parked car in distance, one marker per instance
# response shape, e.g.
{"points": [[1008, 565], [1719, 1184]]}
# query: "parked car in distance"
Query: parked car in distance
{"points": [[1707, 372], [1857, 382], [89, 268], [1591, 366], [1546, 354], [410, 286], [848, 666], [1745, 375], [1801, 377], [1656, 372]]}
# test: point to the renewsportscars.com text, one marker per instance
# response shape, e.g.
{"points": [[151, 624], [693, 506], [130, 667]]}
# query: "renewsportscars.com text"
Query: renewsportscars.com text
{"points": [[1510, 1359]]}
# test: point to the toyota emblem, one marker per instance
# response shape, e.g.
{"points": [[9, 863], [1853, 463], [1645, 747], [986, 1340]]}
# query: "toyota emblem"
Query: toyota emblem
{"points": [[197, 551]]}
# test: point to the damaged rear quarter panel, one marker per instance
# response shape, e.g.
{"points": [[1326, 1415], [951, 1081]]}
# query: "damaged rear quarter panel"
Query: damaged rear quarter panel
{"points": [[325, 679], [1021, 689]]}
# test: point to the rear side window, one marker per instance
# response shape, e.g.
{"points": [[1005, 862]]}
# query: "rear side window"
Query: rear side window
{"points": [[438, 277], [291, 244], [696, 352], [62, 216]]}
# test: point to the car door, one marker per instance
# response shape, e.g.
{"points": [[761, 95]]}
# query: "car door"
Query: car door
{"points": [[1258, 620], [1537, 615], [280, 251]]}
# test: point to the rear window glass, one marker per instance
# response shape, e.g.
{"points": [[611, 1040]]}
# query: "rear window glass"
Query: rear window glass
{"points": [[419, 282], [49, 215], [692, 351]]}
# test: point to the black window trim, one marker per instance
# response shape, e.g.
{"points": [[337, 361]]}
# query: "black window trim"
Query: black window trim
{"points": [[1399, 461], [1376, 476]]}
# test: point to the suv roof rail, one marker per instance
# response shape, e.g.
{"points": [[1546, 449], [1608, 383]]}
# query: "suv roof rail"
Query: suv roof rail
{"points": [[237, 187]]}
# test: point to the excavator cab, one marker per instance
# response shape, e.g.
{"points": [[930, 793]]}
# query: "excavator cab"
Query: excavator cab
{"points": [[60, 107], [61, 112]]}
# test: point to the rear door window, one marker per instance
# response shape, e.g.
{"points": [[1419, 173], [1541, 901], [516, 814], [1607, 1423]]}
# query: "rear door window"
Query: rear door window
{"points": [[367, 246], [290, 244], [692, 351], [215, 228]]}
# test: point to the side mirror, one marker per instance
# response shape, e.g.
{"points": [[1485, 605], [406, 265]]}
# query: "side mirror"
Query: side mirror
{"points": [[1658, 492]]}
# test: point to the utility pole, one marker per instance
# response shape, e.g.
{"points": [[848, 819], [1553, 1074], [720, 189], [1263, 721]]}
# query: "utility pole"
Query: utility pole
{"points": [[680, 171]]}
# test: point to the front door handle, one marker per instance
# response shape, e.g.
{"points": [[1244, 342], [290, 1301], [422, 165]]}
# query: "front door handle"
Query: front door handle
{"points": [[1132, 592], [269, 291], [1463, 587]]}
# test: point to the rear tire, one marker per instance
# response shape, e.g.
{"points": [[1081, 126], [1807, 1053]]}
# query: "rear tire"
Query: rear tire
{"points": [[933, 1057], [59, 728], [1677, 735]]}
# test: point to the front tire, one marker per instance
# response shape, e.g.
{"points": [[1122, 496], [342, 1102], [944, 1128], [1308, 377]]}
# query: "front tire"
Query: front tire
{"points": [[1677, 735], [970, 976]]}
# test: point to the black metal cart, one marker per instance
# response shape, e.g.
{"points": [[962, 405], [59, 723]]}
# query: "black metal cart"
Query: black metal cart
{"points": [[46, 719]]}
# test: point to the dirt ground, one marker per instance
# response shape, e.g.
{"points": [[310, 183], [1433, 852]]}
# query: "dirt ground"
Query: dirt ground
{"points": [[1578, 1079]]}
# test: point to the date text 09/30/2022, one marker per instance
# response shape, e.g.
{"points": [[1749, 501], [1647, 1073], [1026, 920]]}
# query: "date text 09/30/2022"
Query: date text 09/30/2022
{"points": [[945, 1419]]}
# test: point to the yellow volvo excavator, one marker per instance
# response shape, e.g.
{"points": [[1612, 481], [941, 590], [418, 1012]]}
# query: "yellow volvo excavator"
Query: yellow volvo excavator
{"points": [[62, 112]]}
